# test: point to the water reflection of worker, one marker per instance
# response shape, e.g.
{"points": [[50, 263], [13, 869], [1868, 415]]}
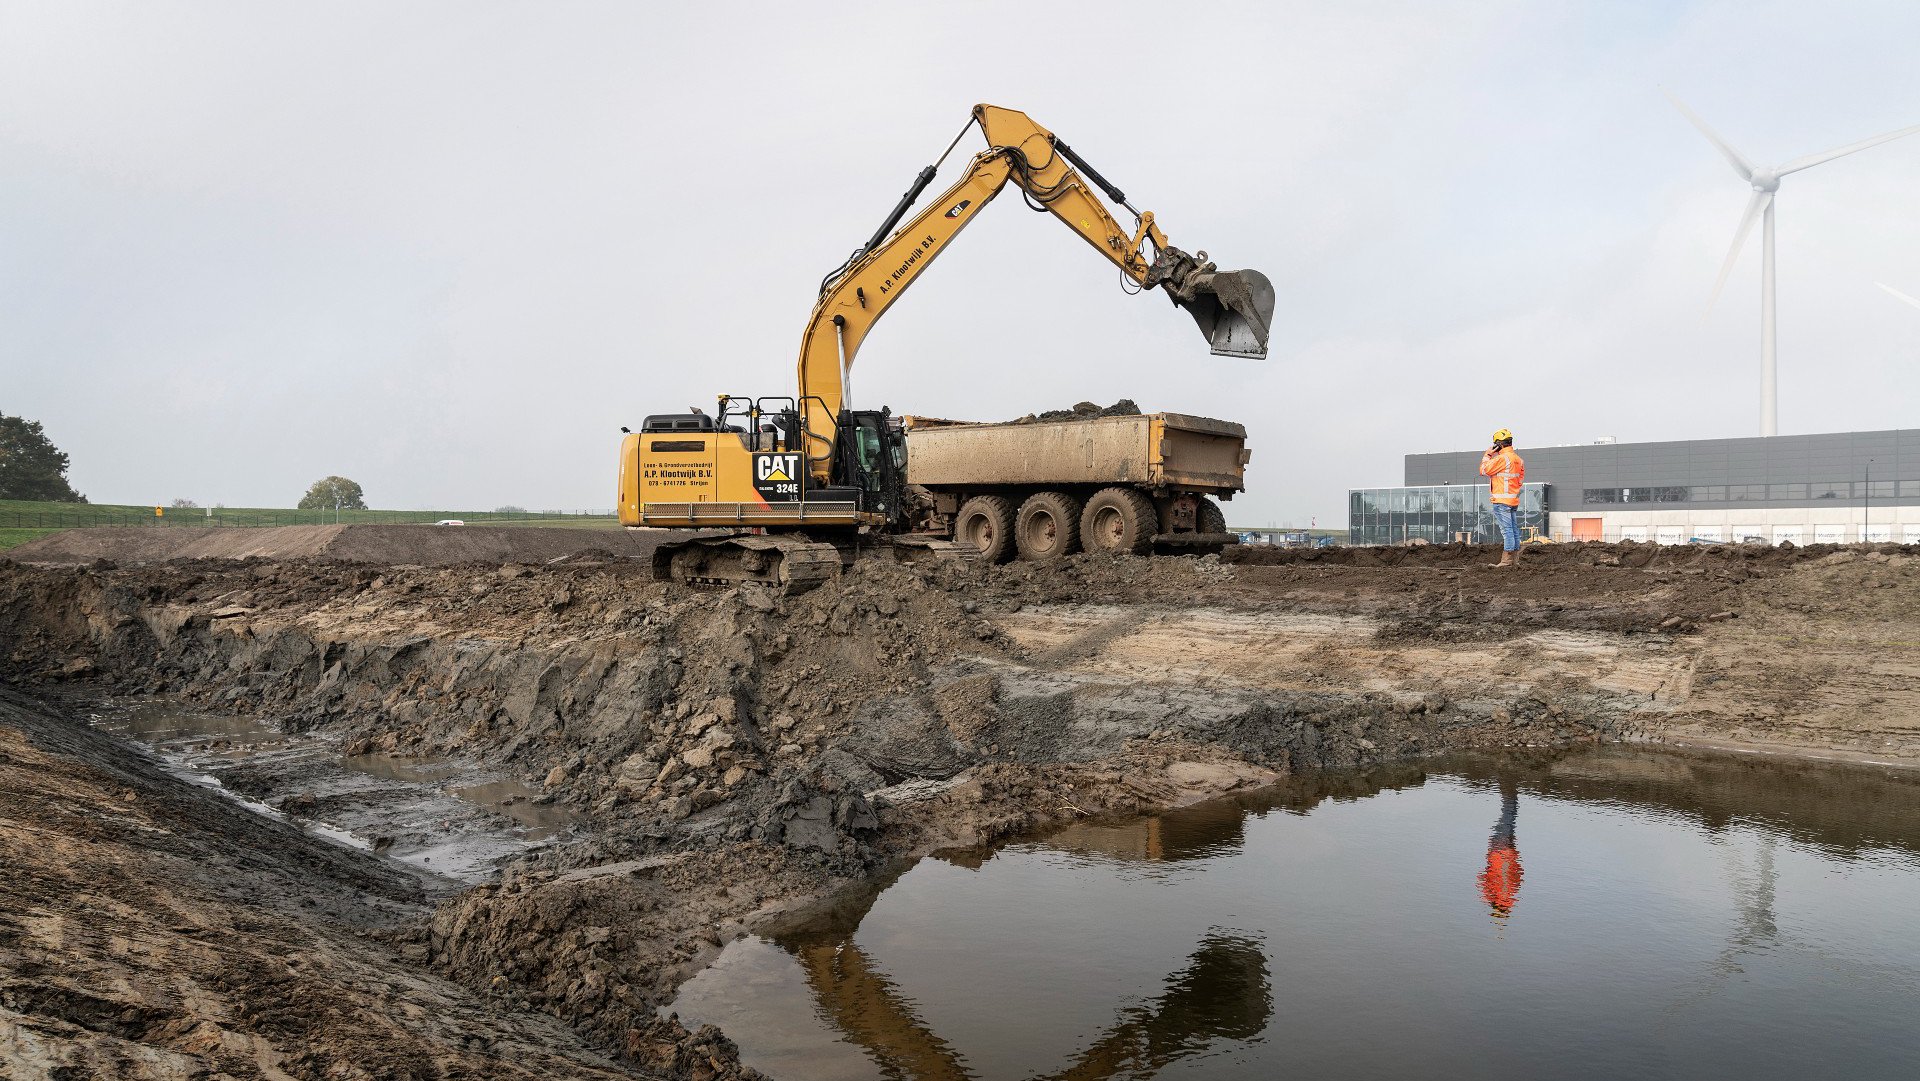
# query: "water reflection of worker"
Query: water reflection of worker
{"points": [[1500, 882]]}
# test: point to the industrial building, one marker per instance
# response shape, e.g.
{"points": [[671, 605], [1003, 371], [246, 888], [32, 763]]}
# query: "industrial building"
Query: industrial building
{"points": [[1809, 489]]}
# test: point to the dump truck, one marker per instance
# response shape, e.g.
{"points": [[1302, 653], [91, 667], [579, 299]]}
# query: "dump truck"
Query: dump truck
{"points": [[1044, 490], [807, 482]]}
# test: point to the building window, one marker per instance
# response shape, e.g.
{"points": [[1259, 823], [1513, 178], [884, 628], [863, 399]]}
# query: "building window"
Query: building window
{"points": [[1612, 495], [1671, 493], [1832, 489], [1786, 491], [1709, 493], [1879, 489], [1741, 492]]}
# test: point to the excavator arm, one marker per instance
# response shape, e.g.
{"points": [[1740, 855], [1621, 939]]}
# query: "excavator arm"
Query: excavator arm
{"points": [[1232, 308]]}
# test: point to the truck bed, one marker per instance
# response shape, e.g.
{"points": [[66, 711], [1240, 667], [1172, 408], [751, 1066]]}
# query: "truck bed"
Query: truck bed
{"points": [[1153, 450]]}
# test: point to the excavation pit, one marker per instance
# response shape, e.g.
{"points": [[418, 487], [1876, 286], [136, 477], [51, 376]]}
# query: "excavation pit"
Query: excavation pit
{"points": [[1598, 914]]}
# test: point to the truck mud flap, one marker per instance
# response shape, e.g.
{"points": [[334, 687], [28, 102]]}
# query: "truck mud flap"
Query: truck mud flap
{"points": [[1193, 542], [916, 549]]}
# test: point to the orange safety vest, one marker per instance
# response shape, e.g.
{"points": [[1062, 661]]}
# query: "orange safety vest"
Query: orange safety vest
{"points": [[1505, 472], [1500, 882]]}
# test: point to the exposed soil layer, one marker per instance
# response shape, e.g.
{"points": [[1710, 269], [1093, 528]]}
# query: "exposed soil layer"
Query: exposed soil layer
{"points": [[151, 929], [734, 755], [415, 544]]}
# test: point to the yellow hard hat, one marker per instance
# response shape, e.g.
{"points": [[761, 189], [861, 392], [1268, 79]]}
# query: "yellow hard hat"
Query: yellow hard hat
{"points": [[1501, 435]]}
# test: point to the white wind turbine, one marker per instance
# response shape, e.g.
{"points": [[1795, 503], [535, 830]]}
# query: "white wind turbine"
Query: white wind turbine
{"points": [[1898, 294], [1765, 182]]}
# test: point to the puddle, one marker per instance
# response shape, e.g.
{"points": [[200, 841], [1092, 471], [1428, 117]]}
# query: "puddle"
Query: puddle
{"points": [[451, 819], [516, 800], [188, 731], [1603, 914], [393, 767]]}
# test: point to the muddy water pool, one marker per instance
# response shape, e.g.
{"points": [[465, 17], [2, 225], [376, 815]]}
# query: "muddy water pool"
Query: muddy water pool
{"points": [[448, 818], [1600, 914]]}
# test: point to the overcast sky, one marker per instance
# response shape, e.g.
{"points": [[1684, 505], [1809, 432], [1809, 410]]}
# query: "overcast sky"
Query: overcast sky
{"points": [[448, 249]]}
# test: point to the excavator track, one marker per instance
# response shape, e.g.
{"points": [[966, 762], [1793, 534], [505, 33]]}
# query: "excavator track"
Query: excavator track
{"points": [[791, 564], [788, 563]]}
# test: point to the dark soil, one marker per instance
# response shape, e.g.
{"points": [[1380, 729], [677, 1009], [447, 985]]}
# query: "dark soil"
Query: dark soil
{"points": [[385, 544], [1125, 407], [735, 755]]}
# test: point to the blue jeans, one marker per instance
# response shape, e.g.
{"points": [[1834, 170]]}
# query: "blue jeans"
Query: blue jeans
{"points": [[1509, 519]]}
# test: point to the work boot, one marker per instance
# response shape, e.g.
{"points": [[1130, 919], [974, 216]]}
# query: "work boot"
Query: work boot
{"points": [[1507, 560]]}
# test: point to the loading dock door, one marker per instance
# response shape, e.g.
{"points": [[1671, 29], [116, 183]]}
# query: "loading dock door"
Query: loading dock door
{"points": [[1586, 529]]}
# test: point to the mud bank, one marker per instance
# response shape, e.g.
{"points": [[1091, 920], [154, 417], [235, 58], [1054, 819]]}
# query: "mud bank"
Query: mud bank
{"points": [[152, 929], [732, 756], [408, 544]]}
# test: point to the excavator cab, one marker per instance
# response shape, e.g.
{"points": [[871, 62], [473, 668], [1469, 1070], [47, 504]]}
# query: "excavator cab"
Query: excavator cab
{"points": [[870, 457]]}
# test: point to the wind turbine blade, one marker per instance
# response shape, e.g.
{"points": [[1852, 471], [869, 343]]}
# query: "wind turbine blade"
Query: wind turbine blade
{"points": [[1812, 160], [1738, 160], [1754, 206], [1898, 293]]}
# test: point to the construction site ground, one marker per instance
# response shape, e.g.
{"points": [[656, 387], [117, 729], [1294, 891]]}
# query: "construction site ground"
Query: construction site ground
{"points": [[259, 896]]}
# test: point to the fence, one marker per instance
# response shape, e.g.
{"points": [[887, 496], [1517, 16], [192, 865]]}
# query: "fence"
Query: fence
{"points": [[28, 515]]}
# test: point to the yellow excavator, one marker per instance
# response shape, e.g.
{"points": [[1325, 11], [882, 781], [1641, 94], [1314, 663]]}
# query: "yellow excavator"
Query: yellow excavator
{"points": [[800, 481]]}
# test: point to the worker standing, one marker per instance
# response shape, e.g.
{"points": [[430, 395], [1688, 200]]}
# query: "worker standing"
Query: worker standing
{"points": [[1505, 472]]}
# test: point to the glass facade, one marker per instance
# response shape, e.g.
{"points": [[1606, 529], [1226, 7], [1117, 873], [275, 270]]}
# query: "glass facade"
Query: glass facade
{"points": [[1437, 514]]}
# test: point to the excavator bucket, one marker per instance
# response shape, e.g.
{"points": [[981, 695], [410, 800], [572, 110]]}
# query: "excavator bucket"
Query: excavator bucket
{"points": [[1234, 309]]}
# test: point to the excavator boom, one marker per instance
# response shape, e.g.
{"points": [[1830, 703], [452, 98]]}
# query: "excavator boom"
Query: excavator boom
{"points": [[1233, 309]]}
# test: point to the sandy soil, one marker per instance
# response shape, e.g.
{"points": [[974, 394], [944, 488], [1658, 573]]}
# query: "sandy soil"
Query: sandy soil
{"points": [[733, 756]]}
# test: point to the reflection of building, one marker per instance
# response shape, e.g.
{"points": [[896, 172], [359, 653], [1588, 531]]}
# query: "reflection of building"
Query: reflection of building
{"points": [[1810, 489]]}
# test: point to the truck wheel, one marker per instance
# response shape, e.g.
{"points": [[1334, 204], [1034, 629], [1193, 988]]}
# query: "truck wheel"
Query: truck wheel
{"points": [[1208, 517], [1048, 527], [1118, 520], [986, 522]]}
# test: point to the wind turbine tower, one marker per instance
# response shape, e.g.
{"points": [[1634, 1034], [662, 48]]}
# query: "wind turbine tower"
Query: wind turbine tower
{"points": [[1765, 182]]}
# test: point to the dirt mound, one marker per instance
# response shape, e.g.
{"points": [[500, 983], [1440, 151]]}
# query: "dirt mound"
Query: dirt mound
{"points": [[424, 545], [1125, 407]]}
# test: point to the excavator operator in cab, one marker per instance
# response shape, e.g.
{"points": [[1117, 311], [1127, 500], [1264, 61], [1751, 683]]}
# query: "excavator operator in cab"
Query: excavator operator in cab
{"points": [[1505, 472]]}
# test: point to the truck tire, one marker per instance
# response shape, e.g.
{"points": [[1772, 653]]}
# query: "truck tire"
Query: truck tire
{"points": [[1208, 517], [986, 523], [1118, 520], [1047, 527]]}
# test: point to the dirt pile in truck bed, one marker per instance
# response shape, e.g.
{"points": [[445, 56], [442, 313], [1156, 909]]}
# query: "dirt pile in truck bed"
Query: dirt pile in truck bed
{"points": [[1125, 407], [405, 544]]}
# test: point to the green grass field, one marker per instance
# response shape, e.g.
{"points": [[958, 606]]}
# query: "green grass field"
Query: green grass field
{"points": [[11, 538], [17, 516]]}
